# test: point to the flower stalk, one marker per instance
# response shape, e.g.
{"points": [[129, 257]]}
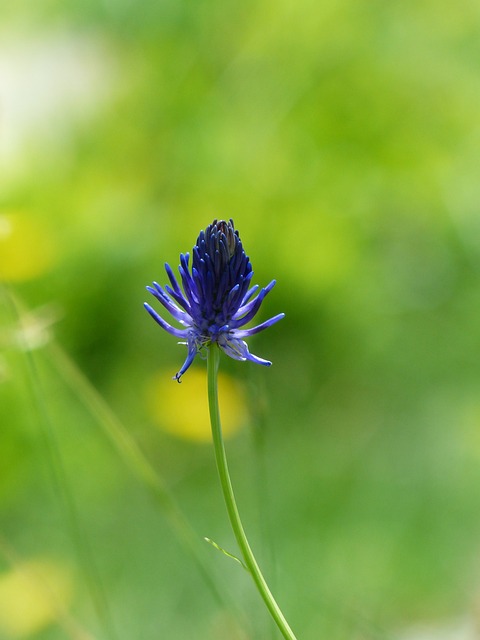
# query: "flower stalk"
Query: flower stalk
{"points": [[213, 302], [213, 357]]}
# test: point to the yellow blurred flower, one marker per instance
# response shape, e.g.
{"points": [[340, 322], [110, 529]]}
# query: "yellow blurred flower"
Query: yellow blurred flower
{"points": [[182, 409], [26, 247], [32, 595]]}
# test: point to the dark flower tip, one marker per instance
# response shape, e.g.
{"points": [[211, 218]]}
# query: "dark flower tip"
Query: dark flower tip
{"points": [[216, 300]]}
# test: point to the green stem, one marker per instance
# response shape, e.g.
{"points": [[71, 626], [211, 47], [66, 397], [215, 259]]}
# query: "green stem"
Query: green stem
{"points": [[213, 358]]}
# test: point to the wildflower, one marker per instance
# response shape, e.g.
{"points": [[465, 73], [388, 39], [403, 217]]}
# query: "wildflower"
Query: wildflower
{"points": [[216, 300]]}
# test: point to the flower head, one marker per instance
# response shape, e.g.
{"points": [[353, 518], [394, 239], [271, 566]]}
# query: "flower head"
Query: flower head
{"points": [[216, 300]]}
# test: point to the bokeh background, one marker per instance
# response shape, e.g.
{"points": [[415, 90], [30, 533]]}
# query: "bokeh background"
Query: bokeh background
{"points": [[343, 138]]}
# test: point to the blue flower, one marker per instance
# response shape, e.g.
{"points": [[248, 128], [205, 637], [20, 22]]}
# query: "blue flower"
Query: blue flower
{"points": [[216, 300]]}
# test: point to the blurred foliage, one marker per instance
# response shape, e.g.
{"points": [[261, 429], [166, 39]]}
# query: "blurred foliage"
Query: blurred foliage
{"points": [[343, 139]]}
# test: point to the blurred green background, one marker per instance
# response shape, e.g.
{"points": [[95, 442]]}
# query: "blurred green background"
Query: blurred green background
{"points": [[343, 138]]}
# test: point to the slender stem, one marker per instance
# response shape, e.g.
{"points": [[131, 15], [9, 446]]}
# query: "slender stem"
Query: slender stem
{"points": [[213, 358]]}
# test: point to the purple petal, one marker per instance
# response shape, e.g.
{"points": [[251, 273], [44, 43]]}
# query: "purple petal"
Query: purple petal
{"points": [[249, 294], [238, 350], [192, 352], [245, 333], [178, 297], [172, 279], [248, 311], [179, 333], [169, 305], [188, 283]]}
